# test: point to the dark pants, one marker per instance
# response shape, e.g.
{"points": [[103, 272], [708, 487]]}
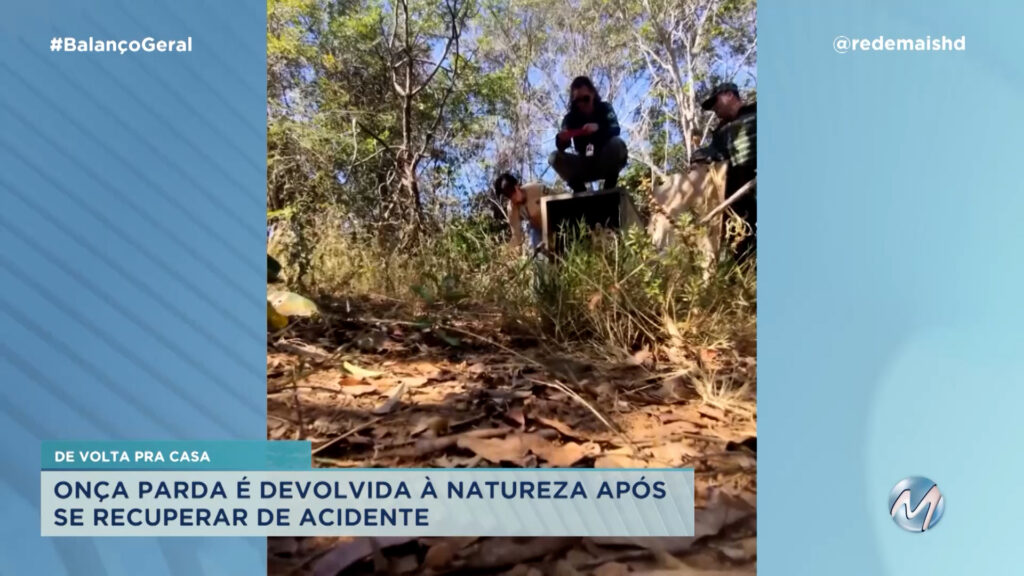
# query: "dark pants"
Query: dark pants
{"points": [[746, 209], [606, 163]]}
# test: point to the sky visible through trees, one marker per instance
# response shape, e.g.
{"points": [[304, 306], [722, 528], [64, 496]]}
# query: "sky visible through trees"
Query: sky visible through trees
{"points": [[404, 111]]}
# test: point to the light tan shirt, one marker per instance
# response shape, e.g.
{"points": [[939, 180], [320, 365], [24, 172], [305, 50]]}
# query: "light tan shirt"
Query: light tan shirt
{"points": [[529, 210]]}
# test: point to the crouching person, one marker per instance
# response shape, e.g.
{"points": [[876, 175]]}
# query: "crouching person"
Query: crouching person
{"points": [[591, 128]]}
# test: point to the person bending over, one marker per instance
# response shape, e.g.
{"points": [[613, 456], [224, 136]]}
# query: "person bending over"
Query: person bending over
{"points": [[592, 130], [523, 205]]}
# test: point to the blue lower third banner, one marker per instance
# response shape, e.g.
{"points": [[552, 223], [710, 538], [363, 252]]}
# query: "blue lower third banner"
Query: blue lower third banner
{"points": [[137, 489]]}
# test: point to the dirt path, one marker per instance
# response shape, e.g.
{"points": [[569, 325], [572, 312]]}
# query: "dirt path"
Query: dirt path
{"points": [[370, 390]]}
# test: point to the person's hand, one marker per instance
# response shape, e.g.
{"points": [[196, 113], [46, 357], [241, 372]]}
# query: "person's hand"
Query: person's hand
{"points": [[563, 136], [590, 128]]}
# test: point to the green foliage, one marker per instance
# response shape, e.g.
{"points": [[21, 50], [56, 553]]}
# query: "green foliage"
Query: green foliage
{"points": [[373, 189]]}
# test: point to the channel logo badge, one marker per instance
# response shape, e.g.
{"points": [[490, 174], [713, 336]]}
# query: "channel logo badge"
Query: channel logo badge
{"points": [[916, 504]]}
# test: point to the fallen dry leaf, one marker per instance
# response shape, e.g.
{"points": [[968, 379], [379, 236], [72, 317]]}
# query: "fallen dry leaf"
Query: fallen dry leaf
{"points": [[561, 427], [359, 389], [674, 454], [687, 413], [282, 546], [446, 461], [326, 425], [393, 399], [564, 568], [480, 387], [515, 447], [457, 543], [439, 556], [360, 372], [742, 550], [563, 456], [413, 381], [712, 412], [672, 429], [500, 552], [347, 380], [733, 460], [516, 415], [619, 461], [407, 564], [349, 552], [690, 571], [522, 570], [438, 426], [721, 510], [422, 425], [429, 370], [510, 449], [612, 569], [426, 446], [578, 557], [666, 560]]}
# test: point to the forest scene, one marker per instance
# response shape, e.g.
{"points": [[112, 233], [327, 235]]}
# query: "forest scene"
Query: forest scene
{"points": [[405, 329]]}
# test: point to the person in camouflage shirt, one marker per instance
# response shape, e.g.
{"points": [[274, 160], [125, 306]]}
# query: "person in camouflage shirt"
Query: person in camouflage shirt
{"points": [[735, 141]]}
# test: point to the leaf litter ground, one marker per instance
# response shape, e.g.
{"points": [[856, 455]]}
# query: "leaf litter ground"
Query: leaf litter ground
{"points": [[371, 391]]}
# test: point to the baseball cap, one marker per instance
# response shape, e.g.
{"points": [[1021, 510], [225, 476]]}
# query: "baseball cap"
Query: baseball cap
{"points": [[709, 102]]}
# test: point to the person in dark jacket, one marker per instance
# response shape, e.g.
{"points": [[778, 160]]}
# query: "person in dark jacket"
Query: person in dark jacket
{"points": [[591, 128], [735, 141]]}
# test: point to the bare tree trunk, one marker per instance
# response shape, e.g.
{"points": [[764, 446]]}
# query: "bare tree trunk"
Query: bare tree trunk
{"points": [[411, 185]]}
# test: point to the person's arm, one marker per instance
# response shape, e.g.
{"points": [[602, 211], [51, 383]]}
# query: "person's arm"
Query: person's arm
{"points": [[561, 142], [706, 154], [719, 145]]}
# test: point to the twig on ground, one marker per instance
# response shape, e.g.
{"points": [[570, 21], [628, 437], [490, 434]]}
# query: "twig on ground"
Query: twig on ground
{"points": [[298, 405], [630, 555], [556, 385], [280, 419], [572, 394], [283, 389], [359, 428], [302, 350], [525, 358]]}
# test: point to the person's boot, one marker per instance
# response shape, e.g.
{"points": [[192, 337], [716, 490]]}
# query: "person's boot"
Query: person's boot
{"points": [[577, 187], [611, 183]]}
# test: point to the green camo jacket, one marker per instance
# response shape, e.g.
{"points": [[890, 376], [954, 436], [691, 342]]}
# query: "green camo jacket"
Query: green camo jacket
{"points": [[736, 140]]}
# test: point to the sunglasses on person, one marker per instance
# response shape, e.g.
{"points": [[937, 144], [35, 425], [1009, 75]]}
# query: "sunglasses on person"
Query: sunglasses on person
{"points": [[585, 99]]}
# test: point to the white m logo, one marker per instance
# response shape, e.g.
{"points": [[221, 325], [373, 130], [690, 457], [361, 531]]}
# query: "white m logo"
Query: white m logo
{"points": [[931, 500]]}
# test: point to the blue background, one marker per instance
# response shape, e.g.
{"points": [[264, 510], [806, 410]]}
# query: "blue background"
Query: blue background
{"points": [[132, 235], [176, 455], [889, 317], [133, 256]]}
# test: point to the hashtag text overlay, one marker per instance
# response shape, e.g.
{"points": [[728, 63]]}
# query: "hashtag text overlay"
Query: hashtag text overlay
{"points": [[69, 44]]}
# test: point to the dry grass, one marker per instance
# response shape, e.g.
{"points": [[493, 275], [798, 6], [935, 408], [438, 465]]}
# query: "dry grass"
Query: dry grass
{"points": [[613, 355], [609, 294]]}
